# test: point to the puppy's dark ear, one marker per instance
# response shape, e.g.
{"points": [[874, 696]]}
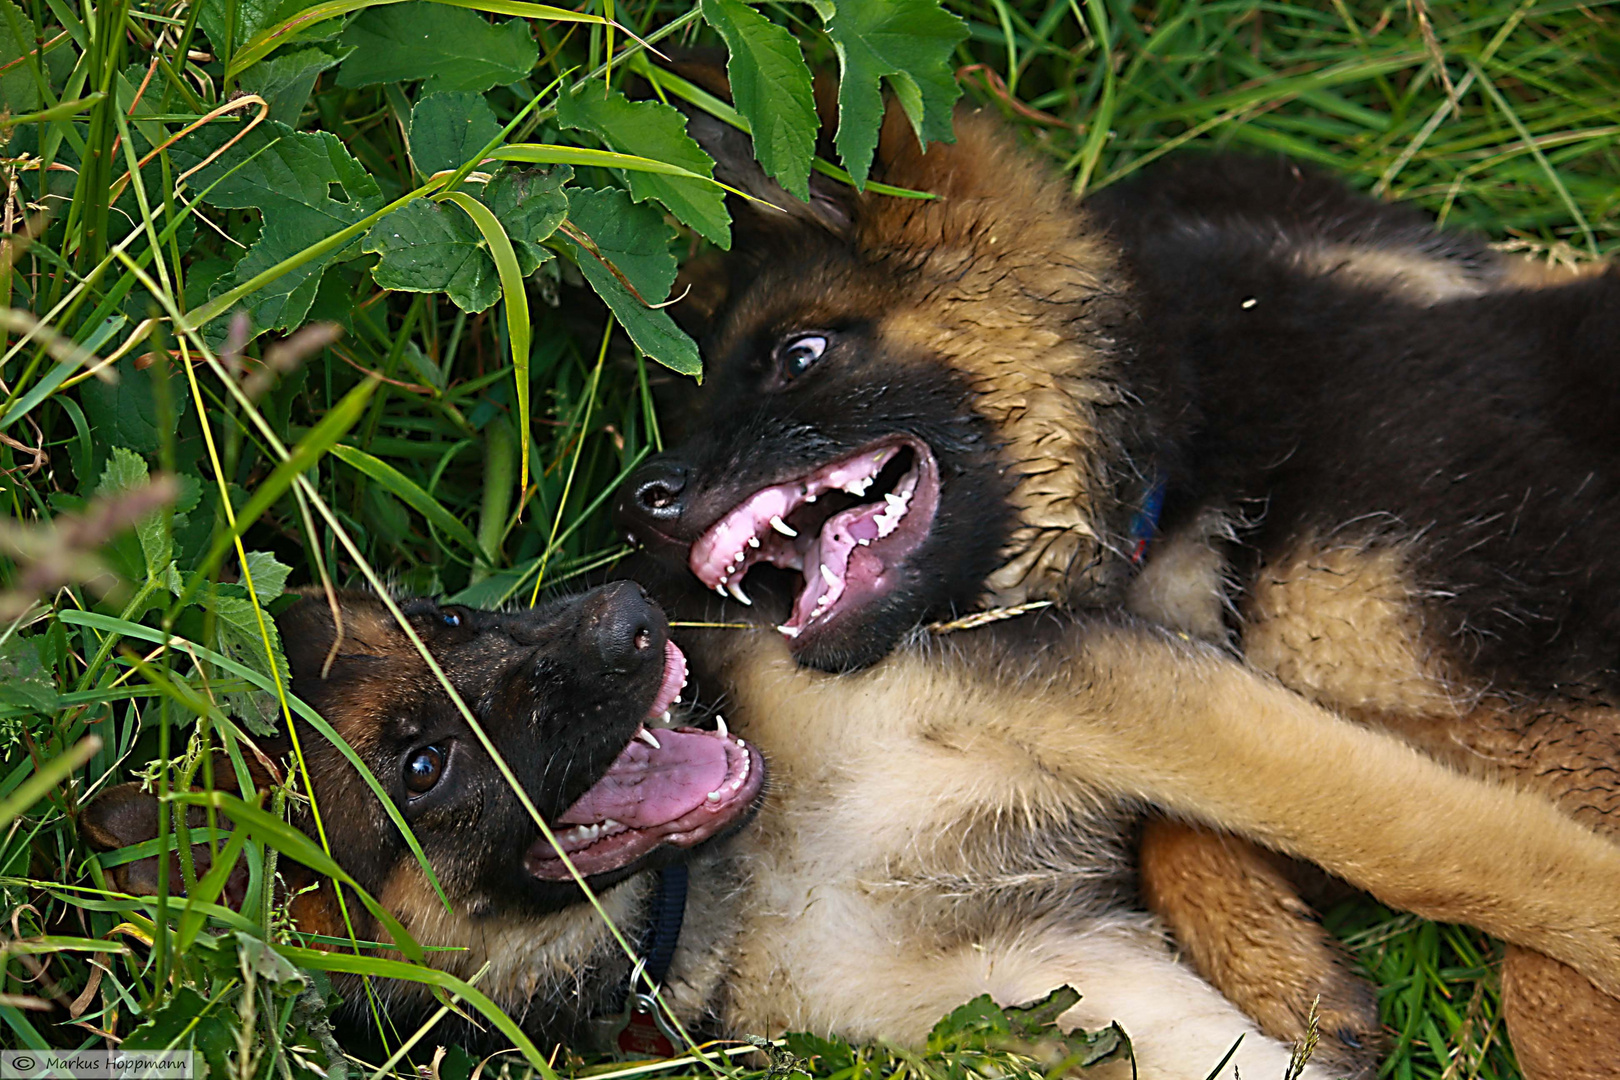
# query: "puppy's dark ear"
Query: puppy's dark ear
{"points": [[317, 639]]}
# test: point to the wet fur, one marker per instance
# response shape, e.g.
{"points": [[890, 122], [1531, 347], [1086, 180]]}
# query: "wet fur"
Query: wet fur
{"points": [[1400, 516]]}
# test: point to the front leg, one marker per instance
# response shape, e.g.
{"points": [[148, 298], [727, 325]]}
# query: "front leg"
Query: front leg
{"points": [[1143, 715]]}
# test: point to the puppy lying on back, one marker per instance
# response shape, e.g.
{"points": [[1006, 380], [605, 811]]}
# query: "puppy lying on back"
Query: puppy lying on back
{"points": [[946, 823], [917, 409]]}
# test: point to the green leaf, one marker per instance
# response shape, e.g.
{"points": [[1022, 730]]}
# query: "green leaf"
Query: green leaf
{"points": [[125, 413], [19, 93], [238, 626], [633, 238], [252, 16], [269, 575], [426, 247], [452, 48], [654, 130], [530, 204], [287, 176], [185, 1022], [24, 682], [908, 42], [285, 81], [770, 85], [126, 471], [448, 128]]}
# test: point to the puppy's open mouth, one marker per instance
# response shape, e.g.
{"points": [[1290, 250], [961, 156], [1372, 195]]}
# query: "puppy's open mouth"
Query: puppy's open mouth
{"points": [[676, 786], [846, 527]]}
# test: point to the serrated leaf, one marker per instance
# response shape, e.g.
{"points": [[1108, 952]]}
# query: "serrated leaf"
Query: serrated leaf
{"points": [[452, 48], [426, 247], [186, 1021], [288, 177], [908, 42], [448, 128], [238, 626], [654, 130], [285, 81], [269, 575], [771, 87], [633, 238], [530, 204], [126, 471]]}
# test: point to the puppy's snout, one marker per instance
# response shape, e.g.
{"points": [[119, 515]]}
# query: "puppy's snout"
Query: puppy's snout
{"points": [[622, 629], [655, 494]]}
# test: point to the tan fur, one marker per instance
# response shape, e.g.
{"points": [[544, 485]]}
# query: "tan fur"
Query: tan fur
{"points": [[1417, 276], [1244, 927], [1338, 622], [1185, 585], [870, 907], [982, 285]]}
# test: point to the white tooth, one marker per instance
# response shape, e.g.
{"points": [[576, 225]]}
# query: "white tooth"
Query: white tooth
{"points": [[719, 588], [809, 498], [647, 737], [753, 541], [611, 824], [864, 543], [737, 594], [720, 725], [858, 487], [782, 527], [829, 577], [788, 631], [714, 796], [665, 717], [893, 500], [741, 743], [677, 700]]}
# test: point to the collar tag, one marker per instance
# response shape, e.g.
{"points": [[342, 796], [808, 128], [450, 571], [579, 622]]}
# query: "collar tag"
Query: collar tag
{"points": [[643, 1032]]}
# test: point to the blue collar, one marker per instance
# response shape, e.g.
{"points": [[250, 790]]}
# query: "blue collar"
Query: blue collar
{"points": [[1145, 525]]}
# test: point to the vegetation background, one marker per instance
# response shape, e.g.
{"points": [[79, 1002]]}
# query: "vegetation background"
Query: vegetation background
{"points": [[294, 292]]}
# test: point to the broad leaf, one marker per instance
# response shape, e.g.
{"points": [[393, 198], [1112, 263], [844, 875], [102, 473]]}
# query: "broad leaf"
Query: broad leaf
{"points": [[449, 128], [24, 682], [269, 575], [635, 241], [452, 48], [126, 471], [214, 20], [285, 81], [770, 86], [654, 130], [288, 177], [427, 247], [530, 204], [908, 42], [238, 626], [19, 93]]}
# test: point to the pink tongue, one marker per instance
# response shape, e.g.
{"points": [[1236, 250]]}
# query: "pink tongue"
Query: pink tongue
{"points": [[647, 787]]}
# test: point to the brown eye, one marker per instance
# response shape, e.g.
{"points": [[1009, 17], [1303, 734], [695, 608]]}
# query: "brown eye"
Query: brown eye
{"points": [[423, 769], [795, 355]]}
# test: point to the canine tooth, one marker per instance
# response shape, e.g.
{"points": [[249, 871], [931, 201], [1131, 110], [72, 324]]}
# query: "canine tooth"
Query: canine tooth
{"points": [[782, 527], [738, 595], [788, 631], [720, 587], [829, 577], [753, 541], [720, 725], [647, 737]]}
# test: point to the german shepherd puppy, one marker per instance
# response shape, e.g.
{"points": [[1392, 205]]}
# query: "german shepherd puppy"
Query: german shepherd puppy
{"points": [[564, 692], [948, 822], [1235, 398]]}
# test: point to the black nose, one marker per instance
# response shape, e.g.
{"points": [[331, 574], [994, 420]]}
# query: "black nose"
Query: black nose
{"points": [[655, 493], [621, 628]]}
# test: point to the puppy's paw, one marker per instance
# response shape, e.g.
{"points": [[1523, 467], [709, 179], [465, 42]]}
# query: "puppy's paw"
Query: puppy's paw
{"points": [[1242, 925]]}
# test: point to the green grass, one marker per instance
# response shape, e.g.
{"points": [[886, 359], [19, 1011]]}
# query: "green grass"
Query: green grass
{"points": [[406, 433]]}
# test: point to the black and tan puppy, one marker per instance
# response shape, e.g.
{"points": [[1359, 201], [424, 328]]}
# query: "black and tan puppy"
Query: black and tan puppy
{"points": [[563, 692], [943, 824], [1310, 416]]}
